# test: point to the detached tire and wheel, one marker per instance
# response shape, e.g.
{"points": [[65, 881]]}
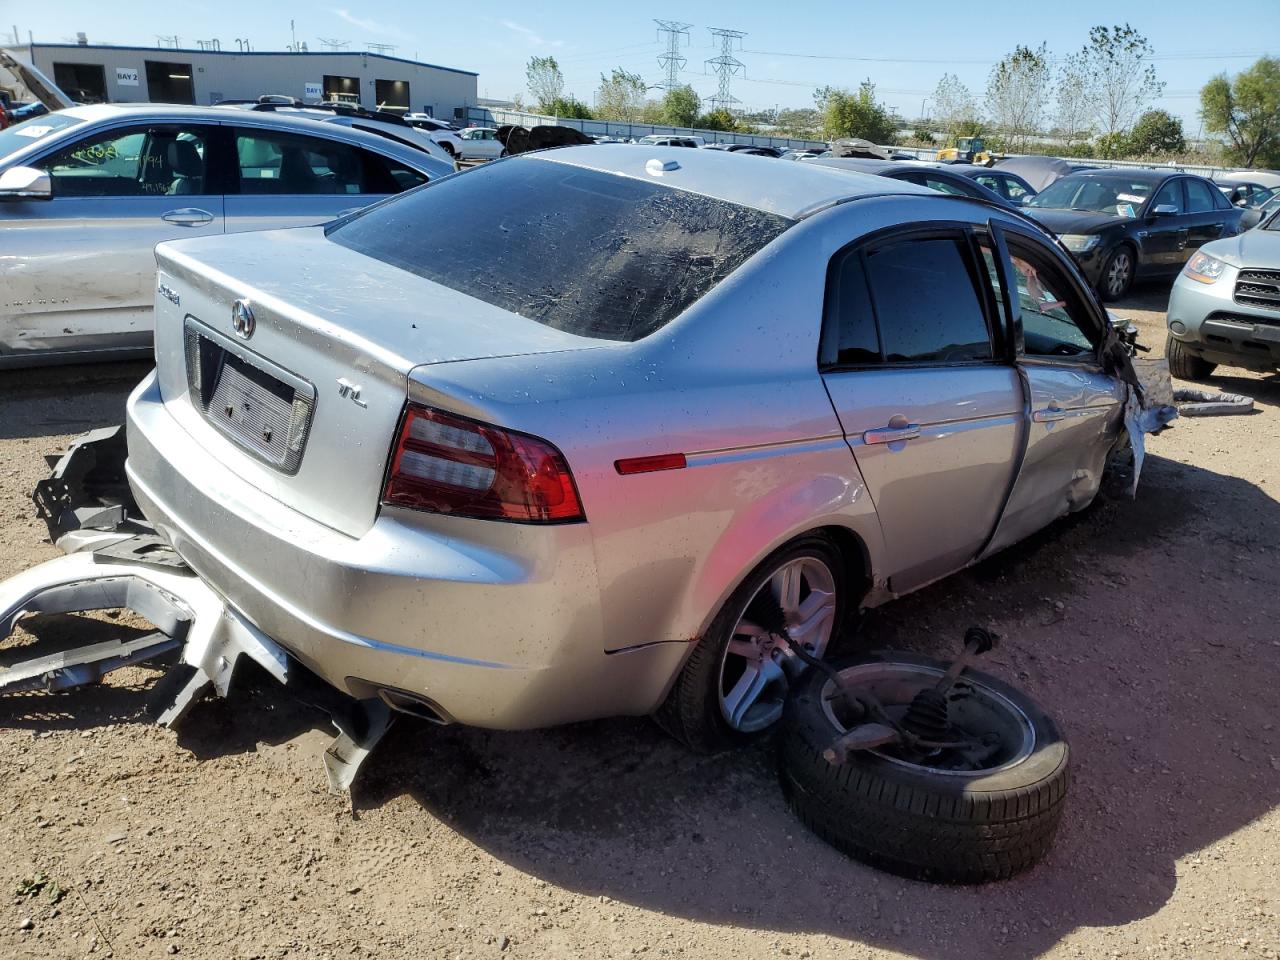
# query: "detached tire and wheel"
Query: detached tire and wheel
{"points": [[1117, 274], [735, 683], [1184, 364], [931, 818]]}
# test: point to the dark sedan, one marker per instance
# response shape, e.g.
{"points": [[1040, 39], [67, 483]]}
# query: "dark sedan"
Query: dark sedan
{"points": [[941, 179], [1123, 225], [1004, 182]]}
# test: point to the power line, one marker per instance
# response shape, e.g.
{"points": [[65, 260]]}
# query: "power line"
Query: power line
{"points": [[726, 65], [1193, 55], [672, 62]]}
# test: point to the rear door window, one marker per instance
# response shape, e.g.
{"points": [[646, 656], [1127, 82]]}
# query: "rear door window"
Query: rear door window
{"points": [[927, 303], [913, 300], [591, 253], [276, 162], [1199, 196]]}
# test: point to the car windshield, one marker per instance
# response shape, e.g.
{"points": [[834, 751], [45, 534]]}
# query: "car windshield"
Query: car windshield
{"points": [[590, 253], [22, 135], [1271, 209], [1116, 196]]}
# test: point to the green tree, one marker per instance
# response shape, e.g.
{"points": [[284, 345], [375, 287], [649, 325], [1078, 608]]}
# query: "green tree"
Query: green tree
{"points": [[952, 104], [846, 114], [620, 96], [1016, 93], [570, 108], [1122, 81], [720, 119], [680, 107], [1074, 113], [546, 82], [1157, 132], [1247, 112]]}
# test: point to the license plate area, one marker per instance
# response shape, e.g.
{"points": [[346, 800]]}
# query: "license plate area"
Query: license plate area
{"points": [[261, 407]]}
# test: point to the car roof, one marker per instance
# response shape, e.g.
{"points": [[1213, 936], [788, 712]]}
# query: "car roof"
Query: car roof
{"points": [[789, 190], [105, 112], [1263, 178], [859, 164], [1126, 173]]}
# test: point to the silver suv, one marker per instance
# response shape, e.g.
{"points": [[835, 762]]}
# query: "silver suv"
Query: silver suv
{"points": [[1225, 305], [644, 423]]}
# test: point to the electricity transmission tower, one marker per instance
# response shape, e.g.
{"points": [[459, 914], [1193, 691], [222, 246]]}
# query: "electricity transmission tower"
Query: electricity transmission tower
{"points": [[671, 61], [726, 65]]}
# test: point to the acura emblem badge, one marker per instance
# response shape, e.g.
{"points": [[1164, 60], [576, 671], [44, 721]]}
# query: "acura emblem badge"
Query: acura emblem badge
{"points": [[242, 319]]}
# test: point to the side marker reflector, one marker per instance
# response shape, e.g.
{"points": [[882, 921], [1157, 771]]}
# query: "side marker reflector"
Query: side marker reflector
{"points": [[665, 461]]}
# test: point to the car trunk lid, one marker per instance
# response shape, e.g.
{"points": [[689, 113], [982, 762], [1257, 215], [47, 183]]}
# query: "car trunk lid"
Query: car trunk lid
{"points": [[288, 356]]}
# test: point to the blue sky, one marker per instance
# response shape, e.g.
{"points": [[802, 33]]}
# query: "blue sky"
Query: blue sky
{"points": [[789, 49]]}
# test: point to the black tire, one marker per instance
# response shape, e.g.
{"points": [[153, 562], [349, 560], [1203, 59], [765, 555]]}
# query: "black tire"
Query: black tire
{"points": [[942, 827], [691, 712], [1184, 364], [1115, 288], [448, 148]]}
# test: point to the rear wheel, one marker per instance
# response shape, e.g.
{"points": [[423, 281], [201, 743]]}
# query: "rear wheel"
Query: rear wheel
{"points": [[1184, 364], [735, 682], [1117, 274]]}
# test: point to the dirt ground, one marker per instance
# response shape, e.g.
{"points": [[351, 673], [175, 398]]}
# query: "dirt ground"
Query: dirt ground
{"points": [[1148, 627]]}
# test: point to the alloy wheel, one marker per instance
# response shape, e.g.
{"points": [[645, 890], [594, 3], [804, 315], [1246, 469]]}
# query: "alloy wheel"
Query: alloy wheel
{"points": [[1118, 273], [796, 605]]}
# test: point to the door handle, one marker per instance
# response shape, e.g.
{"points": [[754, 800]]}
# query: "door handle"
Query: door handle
{"points": [[188, 217], [891, 434], [1049, 414]]}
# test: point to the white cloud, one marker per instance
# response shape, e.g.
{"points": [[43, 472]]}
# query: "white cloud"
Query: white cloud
{"points": [[370, 26], [532, 36]]}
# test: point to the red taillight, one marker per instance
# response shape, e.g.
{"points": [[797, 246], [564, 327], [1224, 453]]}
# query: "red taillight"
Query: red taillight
{"points": [[448, 464]]}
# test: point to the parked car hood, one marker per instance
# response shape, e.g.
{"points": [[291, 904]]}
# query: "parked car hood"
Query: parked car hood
{"points": [[1253, 248], [1074, 221]]}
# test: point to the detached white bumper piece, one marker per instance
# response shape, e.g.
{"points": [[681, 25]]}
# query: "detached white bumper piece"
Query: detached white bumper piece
{"points": [[144, 575]]}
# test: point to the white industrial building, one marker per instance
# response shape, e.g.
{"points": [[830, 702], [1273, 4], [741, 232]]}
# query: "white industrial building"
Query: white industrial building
{"points": [[110, 74]]}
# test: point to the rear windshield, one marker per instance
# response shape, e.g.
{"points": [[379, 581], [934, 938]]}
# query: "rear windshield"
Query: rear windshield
{"points": [[590, 253]]}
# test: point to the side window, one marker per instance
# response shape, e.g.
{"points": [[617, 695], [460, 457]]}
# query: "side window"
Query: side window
{"points": [[1015, 190], [926, 302], [850, 319], [385, 175], [135, 162], [1171, 194], [1051, 316], [275, 162], [1199, 198], [933, 183], [992, 183]]}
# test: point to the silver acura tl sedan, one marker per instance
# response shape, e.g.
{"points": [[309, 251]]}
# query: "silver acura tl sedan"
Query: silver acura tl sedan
{"points": [[87, 193], [639, 424]]}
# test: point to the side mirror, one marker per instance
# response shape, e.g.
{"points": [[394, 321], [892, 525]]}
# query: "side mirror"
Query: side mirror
{"points": [[25, 183], [1164, 210]]}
